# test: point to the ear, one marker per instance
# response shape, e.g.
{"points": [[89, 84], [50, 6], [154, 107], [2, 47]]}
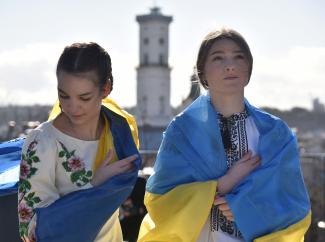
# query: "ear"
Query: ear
{"points": [[106, 90], [202, 76]]}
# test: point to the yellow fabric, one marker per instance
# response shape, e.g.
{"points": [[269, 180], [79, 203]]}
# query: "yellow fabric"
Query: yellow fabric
{"points": [[111, 105], [178, 215], [56, 110], [106, 141], [294, 233]]}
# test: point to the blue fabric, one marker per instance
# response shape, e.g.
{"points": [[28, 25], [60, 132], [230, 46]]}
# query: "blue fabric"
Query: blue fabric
{"points": [[10, 154], [79, 216], [271, 198]]}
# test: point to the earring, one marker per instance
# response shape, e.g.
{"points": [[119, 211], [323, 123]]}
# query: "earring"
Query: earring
{"points": [[106, 92]]}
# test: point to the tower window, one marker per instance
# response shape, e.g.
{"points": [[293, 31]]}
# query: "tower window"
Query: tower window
{"points": [[144, 106], [162, 104], [161, 59], [161, 41], [146, 41], [145, 59]]}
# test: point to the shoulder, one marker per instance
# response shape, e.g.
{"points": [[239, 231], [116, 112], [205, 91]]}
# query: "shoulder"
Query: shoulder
{"points": [[42, 137], [267, 122], [114, 107], [262, 116], [198, 113], [38, 152], [173, 127], [270, 117]]}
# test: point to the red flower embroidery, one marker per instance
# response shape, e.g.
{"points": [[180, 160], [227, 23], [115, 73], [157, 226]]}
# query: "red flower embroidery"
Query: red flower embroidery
{"points": [[76, 164], [25, 213], [24, 169]]}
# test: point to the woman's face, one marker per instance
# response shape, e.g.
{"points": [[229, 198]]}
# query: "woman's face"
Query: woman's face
{"points": [[79, 97], [226, 68]]}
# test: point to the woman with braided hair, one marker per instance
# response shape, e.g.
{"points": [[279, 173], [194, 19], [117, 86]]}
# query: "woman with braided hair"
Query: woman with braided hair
{"points": [[78, 167]]}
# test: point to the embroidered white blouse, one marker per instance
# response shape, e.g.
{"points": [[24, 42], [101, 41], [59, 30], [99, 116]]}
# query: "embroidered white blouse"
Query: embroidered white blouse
{"points": [[54, 164], [239, 134]]}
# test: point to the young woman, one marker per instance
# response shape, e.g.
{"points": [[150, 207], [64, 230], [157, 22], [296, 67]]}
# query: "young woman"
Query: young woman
{"points": [[77, 168], [226, 171]]}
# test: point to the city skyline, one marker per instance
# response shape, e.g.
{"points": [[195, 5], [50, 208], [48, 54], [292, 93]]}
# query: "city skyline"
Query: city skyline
{"points": [[287, 39]]}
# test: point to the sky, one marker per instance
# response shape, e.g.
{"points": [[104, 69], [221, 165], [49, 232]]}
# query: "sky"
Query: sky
{"points": [[286, 37]]}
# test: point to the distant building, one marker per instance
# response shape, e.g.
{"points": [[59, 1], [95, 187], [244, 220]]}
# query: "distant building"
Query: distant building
{"points": [[153, 72], [194, 94], [15, 119], [318, 107], [153, 110]]}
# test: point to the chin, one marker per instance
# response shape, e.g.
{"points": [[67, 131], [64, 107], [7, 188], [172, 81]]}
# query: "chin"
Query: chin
{"points": [[234, 90], [78, 121]]}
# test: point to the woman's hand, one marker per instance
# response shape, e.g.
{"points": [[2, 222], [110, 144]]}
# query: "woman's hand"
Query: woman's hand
{"points": [[237, 172], [223, 207], [108, 169]]}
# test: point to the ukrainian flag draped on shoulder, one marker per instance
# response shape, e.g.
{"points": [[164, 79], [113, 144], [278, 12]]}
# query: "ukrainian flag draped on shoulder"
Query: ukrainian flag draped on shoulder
{"points": [[269, 205], [64, 220]]}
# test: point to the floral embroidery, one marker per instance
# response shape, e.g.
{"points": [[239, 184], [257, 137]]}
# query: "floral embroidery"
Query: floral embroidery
{"points": [[25, 213], [27, 202], [76, 166], [24, 169]]}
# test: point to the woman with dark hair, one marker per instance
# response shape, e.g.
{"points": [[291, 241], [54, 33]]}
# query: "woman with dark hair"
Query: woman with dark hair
{"points": [[226, 171], [78, 167]]}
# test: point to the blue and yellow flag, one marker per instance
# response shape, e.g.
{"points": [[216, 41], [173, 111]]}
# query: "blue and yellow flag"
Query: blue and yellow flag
{"points": [[64, 220], [10, 154], [269, 205]]}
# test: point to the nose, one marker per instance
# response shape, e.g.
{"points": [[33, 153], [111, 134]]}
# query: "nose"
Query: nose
{"points": [[73, 107], [229, 66]]}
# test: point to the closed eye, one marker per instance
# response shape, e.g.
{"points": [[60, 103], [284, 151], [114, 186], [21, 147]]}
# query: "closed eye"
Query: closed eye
{"points": [[240, 57], [63, 96]]}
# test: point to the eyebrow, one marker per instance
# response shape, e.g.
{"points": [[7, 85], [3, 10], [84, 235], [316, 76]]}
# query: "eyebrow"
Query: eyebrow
{"points": [[80, 95], [221, 52]]}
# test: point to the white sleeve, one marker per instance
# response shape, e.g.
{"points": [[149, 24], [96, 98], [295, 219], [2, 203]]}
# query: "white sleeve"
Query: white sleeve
{"points": [[37, 180]]}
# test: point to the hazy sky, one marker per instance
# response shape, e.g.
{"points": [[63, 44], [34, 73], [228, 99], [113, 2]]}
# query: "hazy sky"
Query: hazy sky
{"points": [[287, 39]]}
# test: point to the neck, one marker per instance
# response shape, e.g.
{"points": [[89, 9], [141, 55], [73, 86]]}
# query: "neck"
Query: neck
{"points": [[227, 105], [87, 131]]}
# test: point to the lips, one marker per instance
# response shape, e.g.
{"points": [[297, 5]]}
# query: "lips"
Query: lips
{"points": [[77, 116], [230, 77]]}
